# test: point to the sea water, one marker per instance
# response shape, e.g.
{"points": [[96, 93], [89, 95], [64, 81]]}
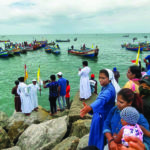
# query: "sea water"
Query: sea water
{"points": [[110, 55]]}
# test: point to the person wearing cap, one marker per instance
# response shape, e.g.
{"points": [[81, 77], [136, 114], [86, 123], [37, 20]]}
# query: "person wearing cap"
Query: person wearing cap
{"points": [[85, 89], [26, 105], [129, 118], [116, 74], [33, 88], [147, 62], [93, 84], [62, 84], [144, 90]]}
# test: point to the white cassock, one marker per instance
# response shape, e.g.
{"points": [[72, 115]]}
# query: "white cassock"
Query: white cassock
{"points": [[26, 105], [33, 94], [85, 89]]}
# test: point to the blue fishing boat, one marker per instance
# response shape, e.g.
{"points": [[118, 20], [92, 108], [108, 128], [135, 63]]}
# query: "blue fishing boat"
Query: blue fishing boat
{"points": [[134, 48], [3, 53], [87, 52], [48, 49]]}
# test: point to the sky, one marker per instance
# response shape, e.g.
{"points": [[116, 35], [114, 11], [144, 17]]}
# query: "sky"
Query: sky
{"points": [[74, 16]]}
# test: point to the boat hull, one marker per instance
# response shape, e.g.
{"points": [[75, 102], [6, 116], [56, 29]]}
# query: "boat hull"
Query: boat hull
{"points": [[4, 54], [134, 48], [86, 53]]}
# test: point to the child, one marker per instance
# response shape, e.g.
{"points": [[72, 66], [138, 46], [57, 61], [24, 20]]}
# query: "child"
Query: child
{"points": [[68, 95], [129, 118], [93, 84]]}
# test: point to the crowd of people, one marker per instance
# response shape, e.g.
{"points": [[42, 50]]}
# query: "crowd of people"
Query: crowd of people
{"points": [[26, 99], [120, 126], [120, 116]]}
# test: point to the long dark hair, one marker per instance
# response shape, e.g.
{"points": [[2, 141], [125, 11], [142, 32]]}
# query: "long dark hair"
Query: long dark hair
{"points": [[129, 96], [105, 72], [136, 70]]}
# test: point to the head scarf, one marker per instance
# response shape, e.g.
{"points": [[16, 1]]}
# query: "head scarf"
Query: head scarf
{"points": [[113, 81]]}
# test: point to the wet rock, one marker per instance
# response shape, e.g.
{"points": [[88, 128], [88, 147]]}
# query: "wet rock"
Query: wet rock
{"points": [[69, 143], [83, 142], [39, 135], [80, 128], [4, 139], [3, 119], [13, 148]]}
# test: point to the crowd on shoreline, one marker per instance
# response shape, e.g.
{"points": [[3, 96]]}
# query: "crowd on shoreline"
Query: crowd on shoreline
{"points": [[108, 121], [130, 116]]}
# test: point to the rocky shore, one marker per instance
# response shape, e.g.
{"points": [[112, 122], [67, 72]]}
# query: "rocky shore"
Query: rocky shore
{"points": [[40, 131]]}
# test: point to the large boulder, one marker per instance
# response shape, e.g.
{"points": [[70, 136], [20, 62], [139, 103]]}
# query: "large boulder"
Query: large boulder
{"points": [[83, 142], [4, 139], [13, 148], [39, 135], [35, 117], [77, 105], [16, 130], [69, 143], [80, 128], [3, 119]]}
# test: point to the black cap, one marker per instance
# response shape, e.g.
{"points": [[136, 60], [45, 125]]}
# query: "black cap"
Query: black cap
{"points": [[145, 79]]}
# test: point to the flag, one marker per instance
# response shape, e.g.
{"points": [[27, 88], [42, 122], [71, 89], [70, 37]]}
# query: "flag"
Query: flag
{"points": [[25, 73], [38, 74], [92, 46], [137, 58], [133, 61]]}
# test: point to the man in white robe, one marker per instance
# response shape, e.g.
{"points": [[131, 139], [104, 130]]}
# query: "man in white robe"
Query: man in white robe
{"points": [[33, 88], [26, 105], [85, 89]]}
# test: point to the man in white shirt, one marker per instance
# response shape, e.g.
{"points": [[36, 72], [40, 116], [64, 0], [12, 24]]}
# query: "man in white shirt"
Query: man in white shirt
{"points": [[85, 89], [33, 88]]}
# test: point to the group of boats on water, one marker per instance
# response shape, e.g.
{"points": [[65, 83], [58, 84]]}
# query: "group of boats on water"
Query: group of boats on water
{"points": [[12, 49], [144, 46]]}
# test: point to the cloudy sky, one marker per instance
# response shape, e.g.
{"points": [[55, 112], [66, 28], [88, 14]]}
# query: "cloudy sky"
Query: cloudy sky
{"points": [[74, 16]]}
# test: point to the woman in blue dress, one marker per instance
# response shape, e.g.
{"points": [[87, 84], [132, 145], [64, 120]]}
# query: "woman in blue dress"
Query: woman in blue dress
{"points": [[126, 97], [101, 107]]}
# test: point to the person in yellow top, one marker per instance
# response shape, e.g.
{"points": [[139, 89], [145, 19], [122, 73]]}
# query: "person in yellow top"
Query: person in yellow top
{"points": [[134, 75]]}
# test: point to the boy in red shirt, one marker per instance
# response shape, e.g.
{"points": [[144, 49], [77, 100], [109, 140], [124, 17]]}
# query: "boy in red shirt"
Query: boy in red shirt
{"points": [[68, 95]]}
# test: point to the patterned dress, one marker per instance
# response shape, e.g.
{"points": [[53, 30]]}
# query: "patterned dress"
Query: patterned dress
{"points": [[131, 131]]}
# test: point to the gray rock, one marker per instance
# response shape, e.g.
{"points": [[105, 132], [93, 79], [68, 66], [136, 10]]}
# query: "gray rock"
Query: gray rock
{"points": [[13, 148], [83, 142], [35, 117], [39, 135], [4, 139], [3, 119], [77, 105], [80, 128], [69, 143]]}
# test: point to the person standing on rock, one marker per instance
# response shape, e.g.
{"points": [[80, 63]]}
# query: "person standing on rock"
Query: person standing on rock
{"points": [[85, 89], [33, 88], [26, 105], [62, 83], [17, 97], [53, 93], [101, 107]]}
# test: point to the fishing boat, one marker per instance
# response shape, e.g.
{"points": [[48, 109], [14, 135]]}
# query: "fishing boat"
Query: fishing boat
{"points": [[68, 40], [87, 52], [52, 43], [48, 49], [4, 41], [55, 50], [16, 51], [126, 35], [75, 39], [10, 52], [3, 53], [134, 48]]}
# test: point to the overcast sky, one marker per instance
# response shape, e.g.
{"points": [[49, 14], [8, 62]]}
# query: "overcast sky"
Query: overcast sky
{"points": [[74, 16]]}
